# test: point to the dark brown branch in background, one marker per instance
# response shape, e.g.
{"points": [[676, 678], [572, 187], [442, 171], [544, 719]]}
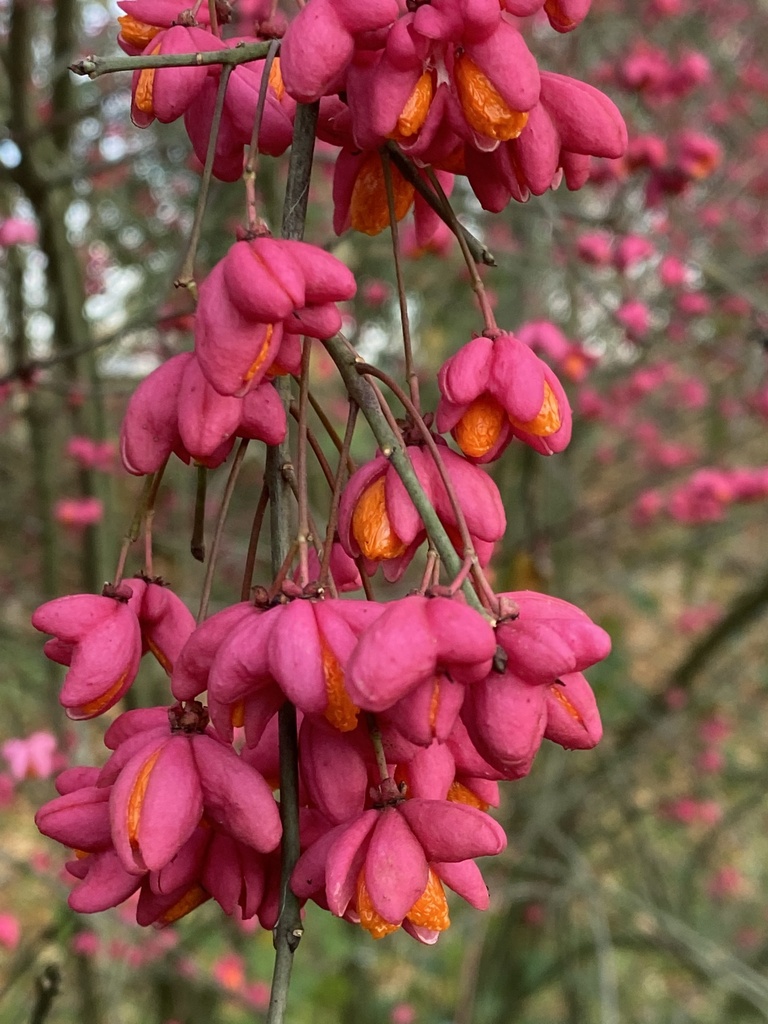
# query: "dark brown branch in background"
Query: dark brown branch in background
{"points": [[65, 286], [47, 985], [747, 607]]}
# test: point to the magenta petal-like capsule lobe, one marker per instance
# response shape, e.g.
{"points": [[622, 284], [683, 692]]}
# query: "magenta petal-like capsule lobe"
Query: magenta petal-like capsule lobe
{"points": [[166, 624], [315, 51], [149, 432], [236, 796], [262, 414], [550, 637], [464, 878], [396, 869], [193, 664], [573, 719], [345, 859], [104, 883], [79, 819], [333, 770], [206, 419], [106, 649], [263, 279], [453, 832], [506, 718], [395, 654], [156, 804]]}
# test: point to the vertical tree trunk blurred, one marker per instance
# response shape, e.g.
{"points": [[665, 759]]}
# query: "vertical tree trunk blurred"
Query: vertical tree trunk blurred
{"points": [[44, 153]]}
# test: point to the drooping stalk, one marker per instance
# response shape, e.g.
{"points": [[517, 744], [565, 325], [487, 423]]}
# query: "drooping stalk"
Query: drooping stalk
{"points": [[289, 929]]}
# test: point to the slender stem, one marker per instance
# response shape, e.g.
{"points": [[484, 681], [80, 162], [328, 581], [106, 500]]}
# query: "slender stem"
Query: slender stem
{"points": [[149, 520], [484, 589], [283, 571], [387, 787], [491, 327], [316, 448], [197, 543], [333, 514], [229, 490], [146, 501], [243, 53], [378, 746], [288, 930], [429, 570], [465, 571], [329, 427], [249, 173], [385, 410], [186, 278], [367, 588], [410, 371], [458, 512], [360, 389], [314, 533], [214, 17], [253, 542], [480, 253], [301, 465]]}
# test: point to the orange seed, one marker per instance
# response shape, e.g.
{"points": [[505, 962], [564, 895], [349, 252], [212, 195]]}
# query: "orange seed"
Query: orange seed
{"points": [[188, 902], [458, 793], [548, 419], [371, 527], [414, 113], [258, 362], [145, 87], [98, 704], [136, 798], [276, 78], [483, 106], [369, 212], [137, 32], [341, 712], [370, 918], [431, 908], [478, 429], [559, 694]]}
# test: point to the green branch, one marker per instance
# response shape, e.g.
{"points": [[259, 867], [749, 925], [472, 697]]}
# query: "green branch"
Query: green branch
{"points": [[243, 53]]}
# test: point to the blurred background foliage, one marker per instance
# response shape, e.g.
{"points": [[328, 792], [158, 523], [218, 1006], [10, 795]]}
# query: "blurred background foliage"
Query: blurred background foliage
{"points": [[633, 886]]}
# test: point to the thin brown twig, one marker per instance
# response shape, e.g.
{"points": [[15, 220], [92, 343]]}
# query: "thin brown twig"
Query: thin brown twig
{"points": [[249, 172], [133, 530], [313, 534], [301, 464], [316, 447], [328, 426], [253, 542], [213, 16], [480, 253], [410, 372], [491, 328], [197, 543], [289, 929], [333, 514], [186, 278], [218, 531]]}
